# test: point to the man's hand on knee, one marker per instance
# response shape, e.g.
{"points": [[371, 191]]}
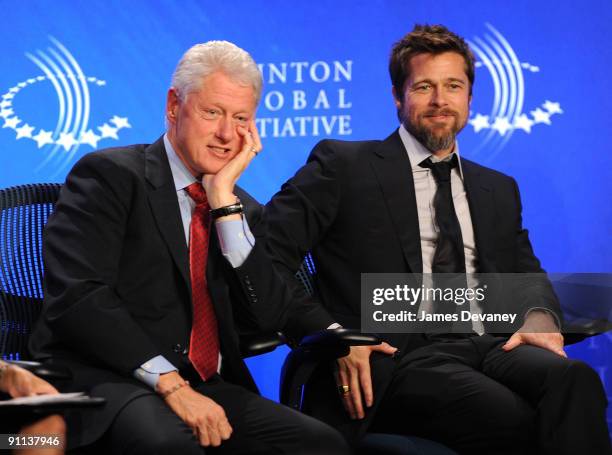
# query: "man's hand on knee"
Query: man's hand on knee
{"points": [[539, 330], [205, 417], [354, 379]]}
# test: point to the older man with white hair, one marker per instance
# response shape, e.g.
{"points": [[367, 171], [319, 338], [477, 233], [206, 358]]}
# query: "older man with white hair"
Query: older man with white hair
{"points": [[155, 265]]}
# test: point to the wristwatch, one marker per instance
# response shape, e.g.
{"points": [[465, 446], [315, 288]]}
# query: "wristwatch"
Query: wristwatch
{"points": [[227, 210]]}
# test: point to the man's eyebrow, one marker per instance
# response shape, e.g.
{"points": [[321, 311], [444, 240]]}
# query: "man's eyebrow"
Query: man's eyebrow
{"points": [[429, 81]]}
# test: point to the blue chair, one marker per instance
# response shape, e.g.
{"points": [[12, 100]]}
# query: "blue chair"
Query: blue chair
{"points": [[24, 211]]}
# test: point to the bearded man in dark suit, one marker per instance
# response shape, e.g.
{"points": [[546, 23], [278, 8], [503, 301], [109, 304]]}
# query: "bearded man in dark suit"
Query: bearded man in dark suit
{"points": [[410, 204]]}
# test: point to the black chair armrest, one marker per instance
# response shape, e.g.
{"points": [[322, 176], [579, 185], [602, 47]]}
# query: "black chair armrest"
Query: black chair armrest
{"points": [[322, 346], [578, 331], [46, 371], [253, 345], [337, 339]]}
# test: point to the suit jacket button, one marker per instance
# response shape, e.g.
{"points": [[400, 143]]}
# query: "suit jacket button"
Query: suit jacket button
{"points": [[177, 348]]}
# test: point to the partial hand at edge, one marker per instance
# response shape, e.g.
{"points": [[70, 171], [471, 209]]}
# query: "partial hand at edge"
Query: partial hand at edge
{"points": [[18, 382], [354, 370]]}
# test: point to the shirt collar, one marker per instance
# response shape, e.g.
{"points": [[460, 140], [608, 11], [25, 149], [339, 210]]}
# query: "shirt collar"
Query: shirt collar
{"points": [[417, 152], [180, 174]]}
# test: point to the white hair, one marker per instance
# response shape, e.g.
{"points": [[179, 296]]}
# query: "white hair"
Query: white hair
{"points": [[202, 60]]}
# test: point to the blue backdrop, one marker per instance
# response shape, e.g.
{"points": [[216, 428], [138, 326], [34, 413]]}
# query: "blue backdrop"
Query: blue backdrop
{"points": [[81, 75]]}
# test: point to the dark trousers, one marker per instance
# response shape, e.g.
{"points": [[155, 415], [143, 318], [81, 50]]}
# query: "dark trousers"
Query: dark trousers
{"points": [[147, 425], [478, 399]]}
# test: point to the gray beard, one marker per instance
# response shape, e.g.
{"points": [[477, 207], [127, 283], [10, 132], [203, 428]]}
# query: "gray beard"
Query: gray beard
{"points": [[431, 141]]}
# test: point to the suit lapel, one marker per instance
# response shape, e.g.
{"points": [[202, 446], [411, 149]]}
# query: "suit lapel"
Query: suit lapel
{"points": [[393, 170], [164, 205], [482, 212]]}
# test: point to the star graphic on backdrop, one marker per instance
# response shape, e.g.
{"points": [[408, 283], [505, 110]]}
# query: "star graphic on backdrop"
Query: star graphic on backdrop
{"points": [[552, 108], [539, 116], [24, 131], [108, 131], [523, 122], [5, 103], [11, 122], [479, 122], [8, 96], [89, 137], [66, 140], [502, 125], [120, 122], [43, 138], [5, 113]]}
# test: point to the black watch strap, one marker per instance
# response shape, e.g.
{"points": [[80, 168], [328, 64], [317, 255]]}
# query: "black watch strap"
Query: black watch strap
{"points": [[227, 210]]}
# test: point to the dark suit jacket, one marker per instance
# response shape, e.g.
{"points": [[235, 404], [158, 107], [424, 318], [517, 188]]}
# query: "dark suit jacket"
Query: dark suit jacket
{"points": [[353, 205], [117, 285]]}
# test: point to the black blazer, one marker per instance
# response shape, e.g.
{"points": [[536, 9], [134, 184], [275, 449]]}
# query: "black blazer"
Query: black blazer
{"points": [[117, 285], [353, 205]]}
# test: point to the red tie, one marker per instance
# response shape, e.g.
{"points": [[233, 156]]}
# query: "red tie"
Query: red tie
{"points": [[204, 345]]}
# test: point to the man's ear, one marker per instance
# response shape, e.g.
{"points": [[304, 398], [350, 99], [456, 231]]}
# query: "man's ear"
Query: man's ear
{"points": [[397, 100], [172, 105]]}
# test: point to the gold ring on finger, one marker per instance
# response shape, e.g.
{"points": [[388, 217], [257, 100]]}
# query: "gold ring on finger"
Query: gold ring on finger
{"points": [[344, 389]]}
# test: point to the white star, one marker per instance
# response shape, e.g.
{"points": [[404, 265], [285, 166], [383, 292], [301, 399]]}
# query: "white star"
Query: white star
{"points": [[108, 131], [11, 122], [539, 116], [101, 83], [502, 125], [40, 78], [43, 138], [6, 113], [479, 122], [66, 140], [13, 90], [120, 122], [24, 131], [31, 80], [552, 108], [8, 96], [89, 137], [523, 122], [5, 103], [22, 84]]}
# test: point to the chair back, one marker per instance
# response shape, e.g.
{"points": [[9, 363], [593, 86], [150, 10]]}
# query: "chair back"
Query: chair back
{"points": [[24, 211]]}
